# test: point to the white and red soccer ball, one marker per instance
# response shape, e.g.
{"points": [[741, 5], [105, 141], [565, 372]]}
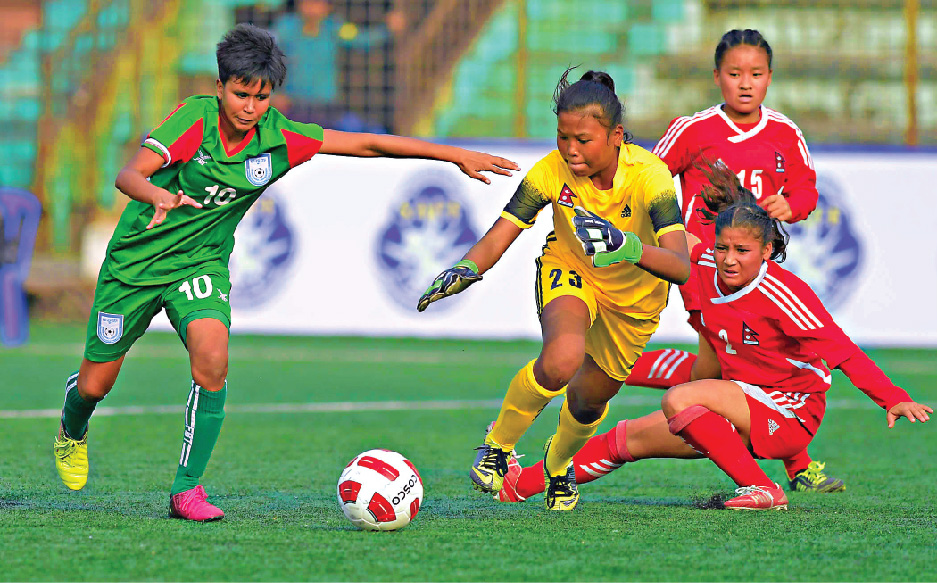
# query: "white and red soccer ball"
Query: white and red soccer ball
{"points": [[380, 490]]}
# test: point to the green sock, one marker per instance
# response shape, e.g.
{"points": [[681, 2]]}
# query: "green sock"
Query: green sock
{"points": [[205, 411], [77, 411]]}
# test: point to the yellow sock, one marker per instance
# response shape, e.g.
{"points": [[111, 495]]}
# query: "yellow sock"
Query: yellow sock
{"points": [[570, 437], [522, 403]]}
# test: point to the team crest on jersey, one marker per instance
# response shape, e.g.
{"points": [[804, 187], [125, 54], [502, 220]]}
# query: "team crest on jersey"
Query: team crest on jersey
{"points": [[825, 250], [110, 327], [263, 255], [566, 196], [750, 336], [779, 162], [258, 169], [626, 212], [428, 229]]}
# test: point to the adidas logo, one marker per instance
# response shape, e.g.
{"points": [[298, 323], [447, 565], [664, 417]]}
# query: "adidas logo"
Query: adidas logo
{"points": [[773, 426], [626, 212]]}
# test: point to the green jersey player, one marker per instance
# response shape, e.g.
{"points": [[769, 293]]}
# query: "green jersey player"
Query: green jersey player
{"points": [[191, 182]]}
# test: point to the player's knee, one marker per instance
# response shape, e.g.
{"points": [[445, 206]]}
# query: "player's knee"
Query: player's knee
{"points": [[93, 392], [676, 399], [554, 371], [584, 410], [93, 389], [210, 368]]}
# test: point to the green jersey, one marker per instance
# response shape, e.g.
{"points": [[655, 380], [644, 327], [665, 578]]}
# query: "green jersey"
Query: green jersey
{"points": [[226, 181]]}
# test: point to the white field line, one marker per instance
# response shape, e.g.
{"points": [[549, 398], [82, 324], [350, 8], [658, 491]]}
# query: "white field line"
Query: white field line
{"points": [[299, 354], [295, 353], [359, 406]]}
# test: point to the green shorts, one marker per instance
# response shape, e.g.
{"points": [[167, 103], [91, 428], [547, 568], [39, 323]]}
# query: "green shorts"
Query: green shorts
{"points": [[122, 312]]}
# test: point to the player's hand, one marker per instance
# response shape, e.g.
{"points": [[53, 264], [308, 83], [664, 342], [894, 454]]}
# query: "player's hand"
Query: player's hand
{"points": [[603, 241], [165, 202], [450, 282], [910, 410], [473, 164], [777, 206]]}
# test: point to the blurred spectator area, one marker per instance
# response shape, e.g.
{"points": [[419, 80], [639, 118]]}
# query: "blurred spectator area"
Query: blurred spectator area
{"points": [[847, 71], [82, 81]]}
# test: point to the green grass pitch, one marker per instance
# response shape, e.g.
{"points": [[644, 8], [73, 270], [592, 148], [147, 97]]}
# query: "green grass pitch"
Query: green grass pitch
{"points": [[285, 441]]}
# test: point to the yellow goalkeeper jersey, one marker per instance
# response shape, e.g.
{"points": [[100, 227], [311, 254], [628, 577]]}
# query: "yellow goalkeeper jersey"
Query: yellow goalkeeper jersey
{"points": [[642, 200]]}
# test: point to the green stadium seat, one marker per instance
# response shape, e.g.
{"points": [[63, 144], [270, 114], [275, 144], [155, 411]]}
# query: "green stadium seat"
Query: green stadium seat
{"points": [[667, 10], [646, 39]]}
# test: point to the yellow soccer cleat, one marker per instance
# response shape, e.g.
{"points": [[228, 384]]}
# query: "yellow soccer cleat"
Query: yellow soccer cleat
{"points": [[71, 460], [560, 492], [489, 468], [813, 479]]}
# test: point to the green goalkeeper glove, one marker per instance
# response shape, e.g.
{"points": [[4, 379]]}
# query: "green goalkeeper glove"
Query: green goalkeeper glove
{"points": [[603, 242], [450, 282]]}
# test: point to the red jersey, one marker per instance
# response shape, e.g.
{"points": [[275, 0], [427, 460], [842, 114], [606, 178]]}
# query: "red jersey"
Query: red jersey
{"points": [[775, 334], [769, 157]]}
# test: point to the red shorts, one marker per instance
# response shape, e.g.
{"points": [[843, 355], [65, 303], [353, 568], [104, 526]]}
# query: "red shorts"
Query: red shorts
{"points": [[775, 431]]}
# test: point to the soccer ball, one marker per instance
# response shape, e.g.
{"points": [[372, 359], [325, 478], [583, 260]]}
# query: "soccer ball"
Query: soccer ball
{"points": [[380, 490]]}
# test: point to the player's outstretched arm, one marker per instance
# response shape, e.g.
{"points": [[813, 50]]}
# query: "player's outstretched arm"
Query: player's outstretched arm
{"points": [[479, 259], [362, 145], [910, 410], [132, 181]]}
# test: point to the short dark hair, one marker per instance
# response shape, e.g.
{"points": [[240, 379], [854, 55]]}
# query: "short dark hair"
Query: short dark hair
{"points": [[736, 37], [729, 204], [248, 53], [593, 88]]}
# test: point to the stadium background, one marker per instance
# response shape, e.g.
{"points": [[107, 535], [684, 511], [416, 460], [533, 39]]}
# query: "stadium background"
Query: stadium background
{"points": [[82, 81]]}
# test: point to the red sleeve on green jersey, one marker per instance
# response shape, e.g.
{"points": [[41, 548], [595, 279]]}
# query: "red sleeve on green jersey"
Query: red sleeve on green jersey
{"points": [[300, 148], [179, 136]]}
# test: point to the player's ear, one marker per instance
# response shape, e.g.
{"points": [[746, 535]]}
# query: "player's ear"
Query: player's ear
{"points": [[219, 88]]}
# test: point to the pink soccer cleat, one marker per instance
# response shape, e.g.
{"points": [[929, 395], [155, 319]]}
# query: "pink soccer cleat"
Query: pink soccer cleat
{"points": [[509, 491], [192, 505], [758, 498]]}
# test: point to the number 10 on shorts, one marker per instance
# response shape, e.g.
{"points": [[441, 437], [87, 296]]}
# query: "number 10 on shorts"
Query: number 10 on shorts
{"points": [[200, 286]]}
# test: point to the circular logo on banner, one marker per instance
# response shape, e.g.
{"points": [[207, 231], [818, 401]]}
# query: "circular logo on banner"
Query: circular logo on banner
{"points": [[825, 251], [427, 231], [263, 254]]}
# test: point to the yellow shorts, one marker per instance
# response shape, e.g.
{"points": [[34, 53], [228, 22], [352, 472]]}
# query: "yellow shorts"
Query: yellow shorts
{"points": [[614, 340]]}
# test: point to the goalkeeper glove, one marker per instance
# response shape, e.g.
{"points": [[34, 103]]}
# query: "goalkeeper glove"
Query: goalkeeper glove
{"points": [[603, 242], [450, 282]]}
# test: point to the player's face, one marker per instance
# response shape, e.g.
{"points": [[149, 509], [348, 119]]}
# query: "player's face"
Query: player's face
{"points": [[588, 148], [743, 78], [739, 253], [243, 104]]}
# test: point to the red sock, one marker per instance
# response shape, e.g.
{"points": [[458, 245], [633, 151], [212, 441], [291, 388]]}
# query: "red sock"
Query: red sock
{"points": [[714, 436], [797, 463], [601, 455], [661, 369]]}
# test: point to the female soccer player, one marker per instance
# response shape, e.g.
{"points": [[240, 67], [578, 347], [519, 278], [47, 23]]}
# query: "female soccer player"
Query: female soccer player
{"points": [[191, 183], [769, 336], [767, 152], [601, 281]]}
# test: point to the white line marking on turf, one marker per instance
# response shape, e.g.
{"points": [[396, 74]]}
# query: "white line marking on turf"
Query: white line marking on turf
{"points": [[348, 354], [357, 406]]}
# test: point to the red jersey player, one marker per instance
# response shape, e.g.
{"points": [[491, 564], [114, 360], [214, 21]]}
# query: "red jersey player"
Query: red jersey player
{"points": [[769, 336], [768, 154]]}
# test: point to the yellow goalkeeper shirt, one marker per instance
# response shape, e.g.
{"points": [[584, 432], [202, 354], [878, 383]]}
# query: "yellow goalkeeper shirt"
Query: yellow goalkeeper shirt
{"points": [[642, 200]]}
